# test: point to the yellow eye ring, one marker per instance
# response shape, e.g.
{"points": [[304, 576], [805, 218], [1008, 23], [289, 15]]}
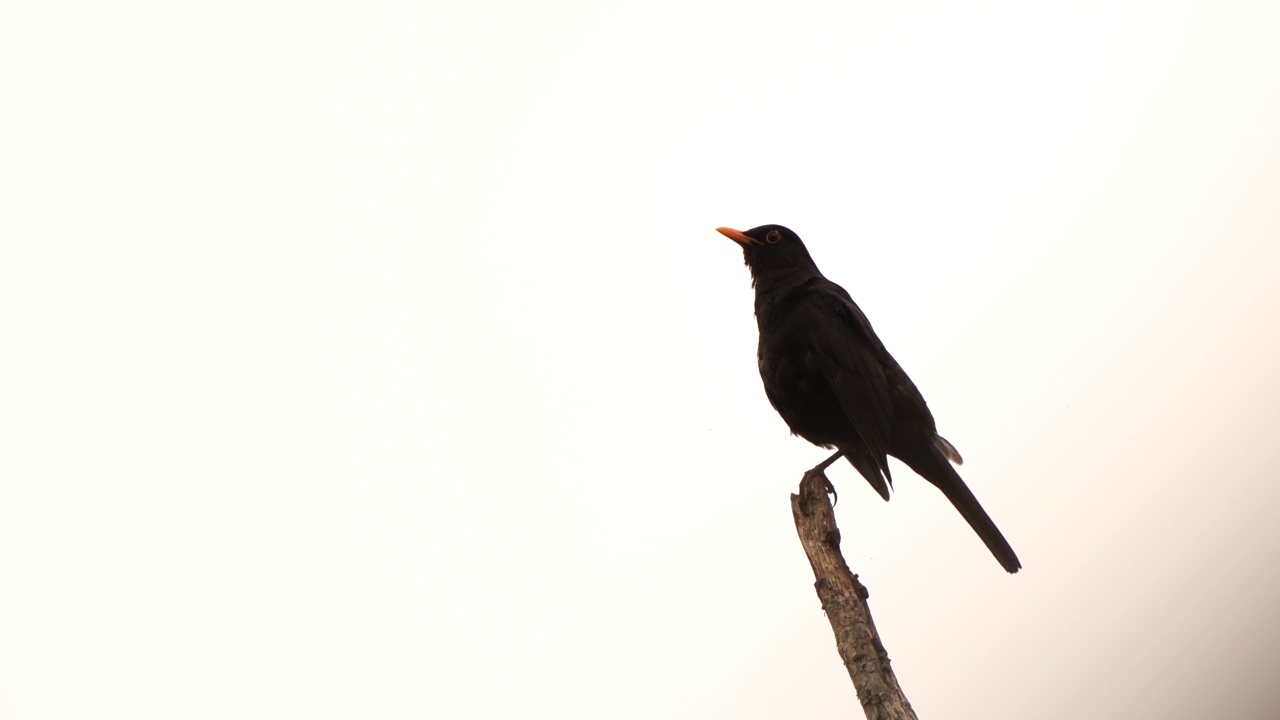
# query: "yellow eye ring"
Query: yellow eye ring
{"points": [[773, 237]]}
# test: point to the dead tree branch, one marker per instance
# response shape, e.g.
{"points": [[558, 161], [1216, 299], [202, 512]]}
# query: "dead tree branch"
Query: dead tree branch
{"points": [[844, 600]]}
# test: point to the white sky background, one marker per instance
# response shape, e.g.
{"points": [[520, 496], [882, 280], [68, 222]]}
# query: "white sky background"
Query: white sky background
{"points": [[381, 360]]}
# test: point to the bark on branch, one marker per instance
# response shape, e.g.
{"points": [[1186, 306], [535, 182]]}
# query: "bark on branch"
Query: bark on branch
{"points": [[844, 600]]}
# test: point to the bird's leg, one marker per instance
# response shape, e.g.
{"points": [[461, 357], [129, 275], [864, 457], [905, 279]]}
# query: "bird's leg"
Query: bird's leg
{"points": [[819, 470], [822, 466]]}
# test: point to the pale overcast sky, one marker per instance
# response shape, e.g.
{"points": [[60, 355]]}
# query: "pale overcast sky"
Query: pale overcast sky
{"points": [[381, 359]]}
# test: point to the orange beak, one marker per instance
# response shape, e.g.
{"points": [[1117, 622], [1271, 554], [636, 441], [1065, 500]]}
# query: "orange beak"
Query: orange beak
{"points": [[737, 236]]}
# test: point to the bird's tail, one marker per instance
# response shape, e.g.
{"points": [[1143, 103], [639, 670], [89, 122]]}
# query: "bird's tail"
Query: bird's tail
{"points": [[935, 468]]}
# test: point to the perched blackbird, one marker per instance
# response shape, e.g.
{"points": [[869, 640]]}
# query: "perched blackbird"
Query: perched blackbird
{"points": [[832, 381]]}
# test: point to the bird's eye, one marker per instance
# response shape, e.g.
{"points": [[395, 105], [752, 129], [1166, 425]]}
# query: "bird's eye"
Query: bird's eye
{"points": [[773, 237]]}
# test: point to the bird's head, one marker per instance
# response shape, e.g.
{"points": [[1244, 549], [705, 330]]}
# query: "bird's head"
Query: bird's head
{"points": [[771, 249]]}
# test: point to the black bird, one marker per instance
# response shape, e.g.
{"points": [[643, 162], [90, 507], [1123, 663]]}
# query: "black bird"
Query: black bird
{"points": [[832, 381]]}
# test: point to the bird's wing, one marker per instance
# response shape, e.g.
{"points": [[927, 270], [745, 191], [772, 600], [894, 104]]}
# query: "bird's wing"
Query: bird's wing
{"points": [[895, 379], [849, 356], [873, 469]]}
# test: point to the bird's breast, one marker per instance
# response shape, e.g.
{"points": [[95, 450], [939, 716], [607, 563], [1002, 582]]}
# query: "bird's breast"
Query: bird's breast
{"points": [[797, 389]]}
